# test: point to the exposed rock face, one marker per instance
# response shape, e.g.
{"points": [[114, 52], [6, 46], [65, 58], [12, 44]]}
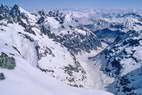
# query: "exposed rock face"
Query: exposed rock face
{"points": [[7, 62], [2, 77]]}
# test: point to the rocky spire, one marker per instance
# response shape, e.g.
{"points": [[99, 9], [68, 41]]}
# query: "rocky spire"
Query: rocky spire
{"points": [[15, 10], [4, 11]]}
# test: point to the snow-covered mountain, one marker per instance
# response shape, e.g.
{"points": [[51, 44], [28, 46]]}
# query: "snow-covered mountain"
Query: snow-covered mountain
{"points": [[75, 50], [123, 62]]}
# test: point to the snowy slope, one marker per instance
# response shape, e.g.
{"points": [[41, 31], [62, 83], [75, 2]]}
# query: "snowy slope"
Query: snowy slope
{"points": [[38, 59], [86, 49], [29, 80], [43, 53]]}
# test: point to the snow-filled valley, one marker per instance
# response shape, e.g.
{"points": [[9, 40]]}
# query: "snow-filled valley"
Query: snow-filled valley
{"points": [[70, 52]]}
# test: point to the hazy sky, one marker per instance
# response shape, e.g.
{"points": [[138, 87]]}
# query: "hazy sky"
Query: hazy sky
{"points": [[49, 4]]}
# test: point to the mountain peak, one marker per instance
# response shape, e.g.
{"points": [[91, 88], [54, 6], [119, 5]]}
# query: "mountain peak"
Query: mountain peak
{"points": [[15, 10], [3, 7], [19, 9], [16, 6]]}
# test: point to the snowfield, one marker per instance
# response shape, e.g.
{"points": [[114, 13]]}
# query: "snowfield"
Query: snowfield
{"points": [[27, 80]]}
